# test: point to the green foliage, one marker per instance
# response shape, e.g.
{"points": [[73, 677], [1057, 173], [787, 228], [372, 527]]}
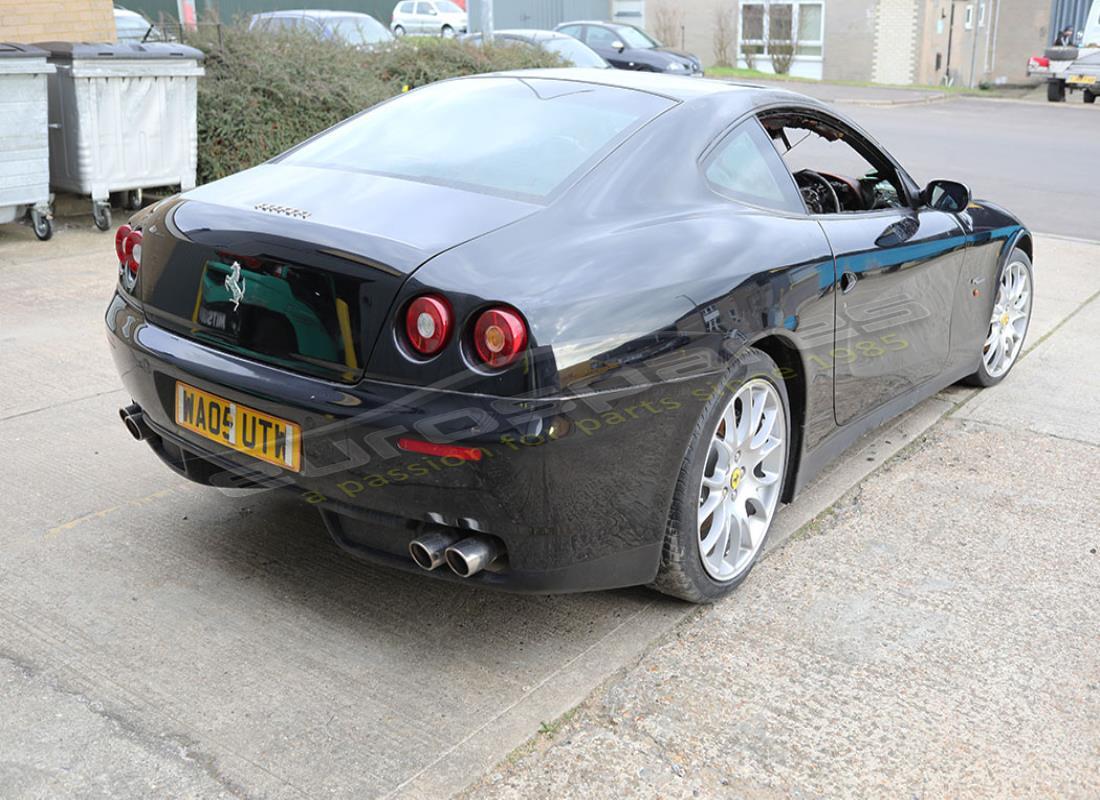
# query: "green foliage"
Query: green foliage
{"points": [[264, 92]]}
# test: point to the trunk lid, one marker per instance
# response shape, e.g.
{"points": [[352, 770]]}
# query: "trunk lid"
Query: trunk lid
{"points": [[298, 266]]}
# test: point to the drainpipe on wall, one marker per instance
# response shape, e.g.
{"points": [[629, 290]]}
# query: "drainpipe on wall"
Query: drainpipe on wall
{"points": [[973, 51], [996, 28]]}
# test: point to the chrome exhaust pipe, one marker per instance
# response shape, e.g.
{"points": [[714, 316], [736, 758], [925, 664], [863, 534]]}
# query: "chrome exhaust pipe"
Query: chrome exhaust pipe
{"points": [[134, 419], [472, 555], [428, 551]]}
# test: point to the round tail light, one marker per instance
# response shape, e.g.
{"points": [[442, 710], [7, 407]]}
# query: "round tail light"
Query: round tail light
{"points": [[132, 251], [428, 324], [120, 239], [500, 336]]}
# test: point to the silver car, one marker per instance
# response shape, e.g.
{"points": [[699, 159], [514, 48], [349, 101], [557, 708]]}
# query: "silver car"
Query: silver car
{"points": [[358, 30], [428, 18]]}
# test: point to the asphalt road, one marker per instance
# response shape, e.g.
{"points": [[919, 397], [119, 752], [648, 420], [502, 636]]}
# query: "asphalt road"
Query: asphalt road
{"points": [[158, 639]]}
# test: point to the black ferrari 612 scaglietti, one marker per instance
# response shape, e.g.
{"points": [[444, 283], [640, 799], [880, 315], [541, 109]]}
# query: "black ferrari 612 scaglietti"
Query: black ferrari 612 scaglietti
{"points": [[559, 330]]}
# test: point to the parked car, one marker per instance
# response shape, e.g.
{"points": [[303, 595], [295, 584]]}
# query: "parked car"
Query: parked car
{"points": [[1072, 68], [639, 321], [358, 30], [428, 18], [130, 27], [628, 47], [575, 52]]}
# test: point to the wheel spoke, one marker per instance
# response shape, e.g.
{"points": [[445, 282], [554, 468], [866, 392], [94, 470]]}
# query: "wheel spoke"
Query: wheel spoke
{"points": [[709, 506]]}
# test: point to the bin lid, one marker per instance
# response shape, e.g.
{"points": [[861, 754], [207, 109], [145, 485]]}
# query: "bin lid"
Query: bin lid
{"points": [[94, 51], [12, 50]]}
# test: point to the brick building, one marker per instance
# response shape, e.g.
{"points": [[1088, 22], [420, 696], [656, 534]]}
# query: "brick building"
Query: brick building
{"points": [[60, 20]]}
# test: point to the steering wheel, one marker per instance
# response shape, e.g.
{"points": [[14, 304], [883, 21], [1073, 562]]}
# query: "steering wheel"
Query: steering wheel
{"points": [[821, 179]]}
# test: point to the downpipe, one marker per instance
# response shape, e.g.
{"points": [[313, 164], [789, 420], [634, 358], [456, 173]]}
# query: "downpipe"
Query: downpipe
{"points": [[134, 419], [471, 555]]}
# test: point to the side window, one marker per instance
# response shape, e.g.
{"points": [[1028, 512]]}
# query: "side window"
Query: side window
{"points": [[836, 170], [424, 8], [746, 167], [576, 31], [406, 8], [600, 37]]}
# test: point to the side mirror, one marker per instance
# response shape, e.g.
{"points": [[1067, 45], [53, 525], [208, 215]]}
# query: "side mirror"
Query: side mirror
{"points": [[618, 45], [950, 196]]}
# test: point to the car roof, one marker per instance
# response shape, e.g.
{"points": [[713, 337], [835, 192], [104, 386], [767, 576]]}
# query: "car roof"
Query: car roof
{"points": [[309, 12], [676, 87], [536, 34], [609, 23]]}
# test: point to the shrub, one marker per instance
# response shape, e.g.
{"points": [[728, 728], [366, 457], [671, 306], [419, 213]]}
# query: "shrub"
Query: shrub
{"points": [[264, 92]]}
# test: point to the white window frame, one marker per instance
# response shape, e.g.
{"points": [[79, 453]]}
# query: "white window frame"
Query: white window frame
{"points": [[981, 14], [795, 22], [968, 19]]}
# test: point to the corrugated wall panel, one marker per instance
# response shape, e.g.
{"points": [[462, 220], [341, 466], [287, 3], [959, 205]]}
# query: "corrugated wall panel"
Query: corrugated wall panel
{"points": [[1068, 12], [544, 14]]}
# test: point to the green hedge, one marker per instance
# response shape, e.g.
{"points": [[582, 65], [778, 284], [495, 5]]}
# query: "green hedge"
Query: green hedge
{"points": [[265, 92]]}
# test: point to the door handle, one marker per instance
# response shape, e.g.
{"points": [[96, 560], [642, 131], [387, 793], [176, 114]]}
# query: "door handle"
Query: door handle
{"points": [[848, 282]]}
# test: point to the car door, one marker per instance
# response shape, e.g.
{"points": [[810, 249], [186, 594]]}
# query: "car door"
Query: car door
{"points": [[425, 17], [601, 40], [896, 270]]}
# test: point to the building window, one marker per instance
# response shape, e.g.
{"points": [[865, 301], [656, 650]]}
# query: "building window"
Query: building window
{"points": [[772, 25], [981, 14], [968, 20]]}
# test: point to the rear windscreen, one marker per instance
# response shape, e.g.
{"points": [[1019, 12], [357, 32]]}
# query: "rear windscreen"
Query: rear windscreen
{"points": [[522, 137]]}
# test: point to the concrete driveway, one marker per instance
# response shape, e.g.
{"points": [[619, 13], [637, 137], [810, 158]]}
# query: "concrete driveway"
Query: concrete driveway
{"points": [[158, 639]]}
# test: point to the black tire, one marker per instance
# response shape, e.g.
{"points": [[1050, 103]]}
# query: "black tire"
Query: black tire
{"points": [[101, 216], [981, 376], [1090, 98], [682, 573], [42, 226], [132, 200], [1056, 91], [446, 32], [1061, 53], [398, 31]]}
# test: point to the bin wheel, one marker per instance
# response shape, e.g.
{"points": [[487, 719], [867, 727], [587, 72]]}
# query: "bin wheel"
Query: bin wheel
{"points": [[132, 200], [42, 224], [101, 216]]}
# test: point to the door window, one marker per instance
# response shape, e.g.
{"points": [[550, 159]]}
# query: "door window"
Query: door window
{"points": [[836, 170], [406, 8], [424, 8], [745, 167], [576, 31]]}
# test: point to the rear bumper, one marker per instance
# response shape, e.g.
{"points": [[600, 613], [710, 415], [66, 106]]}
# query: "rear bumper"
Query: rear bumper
{"points": [[577, 489]]}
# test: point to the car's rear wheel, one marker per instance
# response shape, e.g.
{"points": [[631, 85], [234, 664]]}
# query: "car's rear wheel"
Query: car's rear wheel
{"points": [[1009, 322], [1089, 96], [729, 485], [1056, 91], [448, 32]]}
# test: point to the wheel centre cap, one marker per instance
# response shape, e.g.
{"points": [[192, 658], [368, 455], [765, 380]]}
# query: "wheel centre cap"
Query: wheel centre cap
{"points": [[1004, 319], [735, 478]]}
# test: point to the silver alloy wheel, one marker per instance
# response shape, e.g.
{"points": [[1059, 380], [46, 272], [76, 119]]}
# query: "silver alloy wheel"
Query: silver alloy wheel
{"points": [[742, 475], [1008, 325]]}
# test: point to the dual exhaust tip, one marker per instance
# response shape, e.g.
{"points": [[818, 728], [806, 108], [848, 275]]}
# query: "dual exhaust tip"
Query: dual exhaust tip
{"points": [[465, 557], [134, 419]]}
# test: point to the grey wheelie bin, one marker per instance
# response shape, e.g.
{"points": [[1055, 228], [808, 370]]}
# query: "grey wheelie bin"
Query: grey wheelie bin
{"points": [[24, 147], [122, 119]]}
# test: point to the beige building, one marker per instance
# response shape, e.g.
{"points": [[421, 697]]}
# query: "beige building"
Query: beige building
{"points": [[884, 41], [57, 20]]}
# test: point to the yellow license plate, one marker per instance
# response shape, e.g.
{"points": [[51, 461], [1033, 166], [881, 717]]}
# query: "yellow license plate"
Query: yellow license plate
{"points": [[238, 427], [1089, 79]]}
